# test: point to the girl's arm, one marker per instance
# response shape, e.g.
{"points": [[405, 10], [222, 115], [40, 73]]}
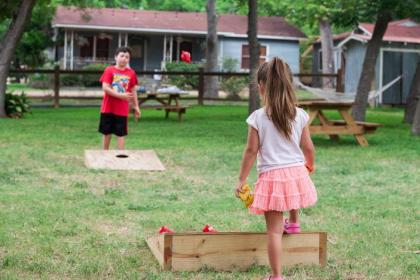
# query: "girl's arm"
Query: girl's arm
{"points": [[308, 149], [108, 89], [248, 158]]}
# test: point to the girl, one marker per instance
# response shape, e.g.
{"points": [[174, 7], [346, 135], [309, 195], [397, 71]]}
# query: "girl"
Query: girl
{"points": [[278, 136]]}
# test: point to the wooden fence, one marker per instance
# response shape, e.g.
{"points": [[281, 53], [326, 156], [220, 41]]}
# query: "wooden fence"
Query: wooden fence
{"points": [[201, 75]]}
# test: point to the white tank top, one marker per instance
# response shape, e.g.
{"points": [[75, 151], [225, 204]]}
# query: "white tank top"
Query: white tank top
{"points": [[275, 150]]}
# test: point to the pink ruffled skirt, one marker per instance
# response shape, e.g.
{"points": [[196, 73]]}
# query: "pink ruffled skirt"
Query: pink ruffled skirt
{"points": [[283, 189]]}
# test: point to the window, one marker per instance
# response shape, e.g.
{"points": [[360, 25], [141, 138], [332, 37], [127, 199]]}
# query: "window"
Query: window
{"points": [[86, 50], [102, 48], [245, 56]]}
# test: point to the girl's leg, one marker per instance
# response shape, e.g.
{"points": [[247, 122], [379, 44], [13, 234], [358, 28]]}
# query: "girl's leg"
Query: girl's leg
{"points": [[106, 141], [274, 221], [294, 216], [121, 143]]}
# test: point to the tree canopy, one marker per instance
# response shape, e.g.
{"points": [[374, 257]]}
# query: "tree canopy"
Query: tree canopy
{"points": [[343, 15]]}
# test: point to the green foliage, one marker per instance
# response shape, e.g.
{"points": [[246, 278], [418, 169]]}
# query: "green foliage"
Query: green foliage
{"points": [[69, 80], [305, 14], [40, 81], [230, 64], [37, 36], [16, 105], [232, 85], [92, 80], [86, 80], [343, 15], [183, 81]]}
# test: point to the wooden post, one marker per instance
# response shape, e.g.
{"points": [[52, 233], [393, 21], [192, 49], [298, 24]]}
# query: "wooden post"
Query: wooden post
{"points": [[145, 55], [339, 87], [56, 86], [72, 50], [171, 43], [65, 49], [381, 76], [164, 47], [94, 47], [178, 46], [200, 86]]}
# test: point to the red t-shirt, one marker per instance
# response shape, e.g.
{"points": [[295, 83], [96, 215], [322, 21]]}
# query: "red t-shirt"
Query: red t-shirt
{"points": [[121, 81]]}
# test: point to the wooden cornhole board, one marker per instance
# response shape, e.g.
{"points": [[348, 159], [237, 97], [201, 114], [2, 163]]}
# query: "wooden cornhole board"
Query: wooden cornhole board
{"points": [[123, 160], [227, 251]]}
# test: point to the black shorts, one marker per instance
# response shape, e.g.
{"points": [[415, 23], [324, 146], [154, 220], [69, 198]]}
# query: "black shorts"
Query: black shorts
{"points": [[113, 124]]}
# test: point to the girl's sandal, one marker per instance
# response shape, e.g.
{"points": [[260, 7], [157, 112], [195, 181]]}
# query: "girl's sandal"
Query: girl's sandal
{"points": [[290, 228]]}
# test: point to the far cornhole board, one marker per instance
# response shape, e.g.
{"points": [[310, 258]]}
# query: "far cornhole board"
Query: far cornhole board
{"points": [[123, 160], [227, 251]]}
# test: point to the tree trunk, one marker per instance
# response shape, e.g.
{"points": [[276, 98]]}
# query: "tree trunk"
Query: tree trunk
{"points": [[416, 120], [254, 56], [20, 17], [368, 70], [412, 99], [327, 52], [211, 83]]}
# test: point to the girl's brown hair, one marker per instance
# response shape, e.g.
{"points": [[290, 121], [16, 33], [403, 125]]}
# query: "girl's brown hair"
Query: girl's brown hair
{"points": [[279, 95]]}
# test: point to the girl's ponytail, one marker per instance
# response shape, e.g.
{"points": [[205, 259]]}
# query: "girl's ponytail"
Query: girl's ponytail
{"points": [[279, 97]]}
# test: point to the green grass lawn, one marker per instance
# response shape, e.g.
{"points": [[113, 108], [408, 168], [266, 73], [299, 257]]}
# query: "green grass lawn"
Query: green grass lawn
{"points": [[60, 220]]}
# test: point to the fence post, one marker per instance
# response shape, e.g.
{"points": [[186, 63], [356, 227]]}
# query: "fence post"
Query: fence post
{"points": [[339, 87], [200, 85], [56, 86]]}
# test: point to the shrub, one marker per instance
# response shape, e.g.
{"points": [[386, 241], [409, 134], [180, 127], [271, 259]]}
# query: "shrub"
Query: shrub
{"points": [[69, 80], [40, 81], [16, 105], [86, 80], [232, 85], [183, 81], [92, 80]]}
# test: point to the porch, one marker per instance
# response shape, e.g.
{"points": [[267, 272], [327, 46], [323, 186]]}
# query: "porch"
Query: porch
{"points": [[80, 48]]}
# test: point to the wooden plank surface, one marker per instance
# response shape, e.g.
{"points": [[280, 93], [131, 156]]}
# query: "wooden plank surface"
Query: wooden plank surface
{"points": [[123, 160], [337, 129], [156, 245], [238, 251], [317, 104]]}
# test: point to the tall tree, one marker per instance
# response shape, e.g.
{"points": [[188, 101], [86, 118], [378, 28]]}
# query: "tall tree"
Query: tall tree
{"points": [[254, 55], [327, 51], [211, 82], [385, 11], [19, 13], [368, 68], [310, 14], [412, 99], [416, 121]]}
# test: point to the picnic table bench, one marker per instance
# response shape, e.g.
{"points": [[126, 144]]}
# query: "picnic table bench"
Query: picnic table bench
{"points": [[164, 101], [334, 128]]}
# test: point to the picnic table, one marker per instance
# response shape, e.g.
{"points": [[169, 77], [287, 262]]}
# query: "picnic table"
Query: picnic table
{"points": [[167, 100], [334, 128]]}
